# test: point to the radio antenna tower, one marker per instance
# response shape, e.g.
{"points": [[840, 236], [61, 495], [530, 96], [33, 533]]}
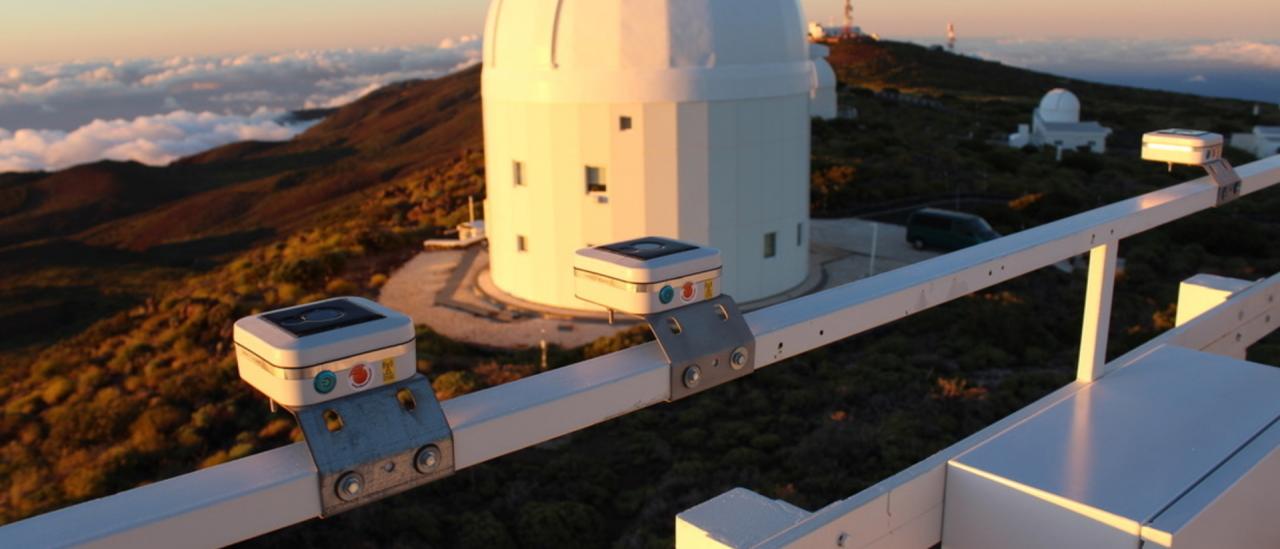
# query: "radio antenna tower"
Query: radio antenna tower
{"points": [[848, 19], [951, 37]]}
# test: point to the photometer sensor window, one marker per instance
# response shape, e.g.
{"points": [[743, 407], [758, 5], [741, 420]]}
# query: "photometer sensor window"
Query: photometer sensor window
{"points": [[321, 317], [646, 249]]}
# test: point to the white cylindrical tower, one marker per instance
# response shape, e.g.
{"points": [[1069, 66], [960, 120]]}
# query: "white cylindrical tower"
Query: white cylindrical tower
{"points": [[607, 120]]}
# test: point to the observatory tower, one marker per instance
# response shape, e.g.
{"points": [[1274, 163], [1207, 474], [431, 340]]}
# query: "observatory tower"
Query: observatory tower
{"points": [[606, 120]]}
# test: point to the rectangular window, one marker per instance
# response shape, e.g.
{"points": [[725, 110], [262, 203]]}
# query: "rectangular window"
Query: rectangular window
{"points": [[770, 244], [799, 234], [624, 123], [517, 173], [520, 244], [595, 180]]}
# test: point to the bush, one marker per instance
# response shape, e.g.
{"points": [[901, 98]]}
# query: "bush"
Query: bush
{"points": [[560, 524]]}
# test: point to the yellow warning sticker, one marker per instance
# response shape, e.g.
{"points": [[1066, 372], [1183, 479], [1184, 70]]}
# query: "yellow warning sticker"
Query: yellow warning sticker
{"points": [[388, 370], [708, 285]]}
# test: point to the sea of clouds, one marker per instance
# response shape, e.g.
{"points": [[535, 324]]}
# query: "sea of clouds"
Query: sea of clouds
{"points": [[1241, 69], [157, 110]]}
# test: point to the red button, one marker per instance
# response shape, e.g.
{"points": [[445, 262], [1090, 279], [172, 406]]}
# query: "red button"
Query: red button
{"points": [[360, 376], [688, 292]]}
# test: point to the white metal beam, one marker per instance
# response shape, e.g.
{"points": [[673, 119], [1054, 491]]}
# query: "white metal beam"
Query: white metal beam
{"points": [[211, 507], [500, 420]]}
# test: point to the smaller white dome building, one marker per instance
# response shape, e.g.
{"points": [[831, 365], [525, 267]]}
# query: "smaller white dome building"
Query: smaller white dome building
{"points": [[823, 101], [1264, 141], [1056, 123]]}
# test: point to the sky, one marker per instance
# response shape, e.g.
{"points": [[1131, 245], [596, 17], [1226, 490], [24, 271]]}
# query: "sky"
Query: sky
{"points": [[153, 80], [63, 30]]}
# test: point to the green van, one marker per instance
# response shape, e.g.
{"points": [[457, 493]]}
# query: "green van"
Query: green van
{"points": [[947, 230]]}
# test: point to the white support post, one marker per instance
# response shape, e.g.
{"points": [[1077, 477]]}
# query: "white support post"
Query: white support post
{"points": [[1097, 311]]}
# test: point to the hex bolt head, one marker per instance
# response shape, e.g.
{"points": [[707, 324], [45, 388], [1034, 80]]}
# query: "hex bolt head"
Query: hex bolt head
{"points": [[350, 485], [427, 460], [739, 358], [692, 376]]}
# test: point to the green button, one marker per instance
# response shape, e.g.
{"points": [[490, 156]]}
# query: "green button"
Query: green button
{"points": [[325, 382]]}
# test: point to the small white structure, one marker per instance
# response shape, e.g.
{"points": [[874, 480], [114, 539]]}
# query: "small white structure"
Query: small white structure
{"points": [[817, 32], [1264, 141], [823, 101], [607, 120], [1056, 123]]}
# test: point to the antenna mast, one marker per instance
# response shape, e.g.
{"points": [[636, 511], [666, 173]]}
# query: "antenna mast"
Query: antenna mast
{"points": [[848, 19], [951, 37]]}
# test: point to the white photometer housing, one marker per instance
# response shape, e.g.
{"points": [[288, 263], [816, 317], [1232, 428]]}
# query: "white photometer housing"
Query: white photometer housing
{"points": [[1190, 147], [325, 350], [646, 275]]}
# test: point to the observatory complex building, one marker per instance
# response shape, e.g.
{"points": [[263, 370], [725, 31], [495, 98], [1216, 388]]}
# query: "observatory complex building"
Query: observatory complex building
{"points": [[1056, 123], [607, 120]]}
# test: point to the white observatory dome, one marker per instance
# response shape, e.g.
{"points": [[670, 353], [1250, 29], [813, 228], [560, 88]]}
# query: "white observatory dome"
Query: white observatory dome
{"points": [[1060, 105], [607, 120], [633, 50]]}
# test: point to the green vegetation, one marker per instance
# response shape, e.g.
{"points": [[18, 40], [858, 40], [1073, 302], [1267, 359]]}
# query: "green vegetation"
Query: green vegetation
{"points": [[151, 391]]}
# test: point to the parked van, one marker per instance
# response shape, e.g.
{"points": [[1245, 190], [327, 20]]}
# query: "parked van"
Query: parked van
{"points": [[947, 230]]}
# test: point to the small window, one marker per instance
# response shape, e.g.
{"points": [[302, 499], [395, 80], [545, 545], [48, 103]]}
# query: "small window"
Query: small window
{"points": [[624, 123], [770, 244], [595, 180], [517, 173], [799, 234], [520, 244]]}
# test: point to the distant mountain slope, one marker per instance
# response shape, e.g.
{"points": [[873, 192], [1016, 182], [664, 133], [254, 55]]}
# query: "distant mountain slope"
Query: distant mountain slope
{"points": [[251, 186], [81, 243]]}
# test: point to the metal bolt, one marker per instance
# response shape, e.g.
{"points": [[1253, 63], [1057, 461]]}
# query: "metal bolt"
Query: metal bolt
{"points": [[692, 376], [389, 466], [350, 485], [427, 460], [840, 539], [739, 358]]}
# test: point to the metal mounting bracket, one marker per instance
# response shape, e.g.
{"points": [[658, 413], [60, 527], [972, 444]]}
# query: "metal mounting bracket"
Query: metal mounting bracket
{"points": [[1226, 178], [707, 344], [377, 443]]}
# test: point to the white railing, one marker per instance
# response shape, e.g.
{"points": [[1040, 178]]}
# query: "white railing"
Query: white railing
{"points": [[264, 492]]}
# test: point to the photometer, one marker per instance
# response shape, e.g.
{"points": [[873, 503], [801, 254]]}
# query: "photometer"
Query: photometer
{"points": [[325, 350], [646, 275], [1178, 146]]}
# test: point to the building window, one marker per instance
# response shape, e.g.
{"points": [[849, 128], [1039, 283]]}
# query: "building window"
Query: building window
{"points": [[799, 234], [517, 173], [595, 180], [770, 244], [624, 123], [520, 244]]}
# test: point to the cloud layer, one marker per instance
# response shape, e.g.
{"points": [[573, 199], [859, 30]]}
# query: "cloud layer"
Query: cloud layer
{"points": [[155, 140], [155, 110], [1238, 69]]}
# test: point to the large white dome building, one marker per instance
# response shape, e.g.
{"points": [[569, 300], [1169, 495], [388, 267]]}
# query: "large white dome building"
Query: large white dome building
{"points": [[1056, 123], [613, 119]]}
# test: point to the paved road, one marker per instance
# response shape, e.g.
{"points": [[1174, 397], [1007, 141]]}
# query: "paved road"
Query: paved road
{"points": [[439, 288]]}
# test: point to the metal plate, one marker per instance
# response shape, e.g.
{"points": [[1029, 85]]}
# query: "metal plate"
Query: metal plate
{"points": [[1225, 176], [704, 336], [379, 440]]}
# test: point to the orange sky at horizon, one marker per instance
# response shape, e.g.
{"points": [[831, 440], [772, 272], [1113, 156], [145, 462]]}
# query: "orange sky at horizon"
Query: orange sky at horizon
{"points": [[91, 29]]}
